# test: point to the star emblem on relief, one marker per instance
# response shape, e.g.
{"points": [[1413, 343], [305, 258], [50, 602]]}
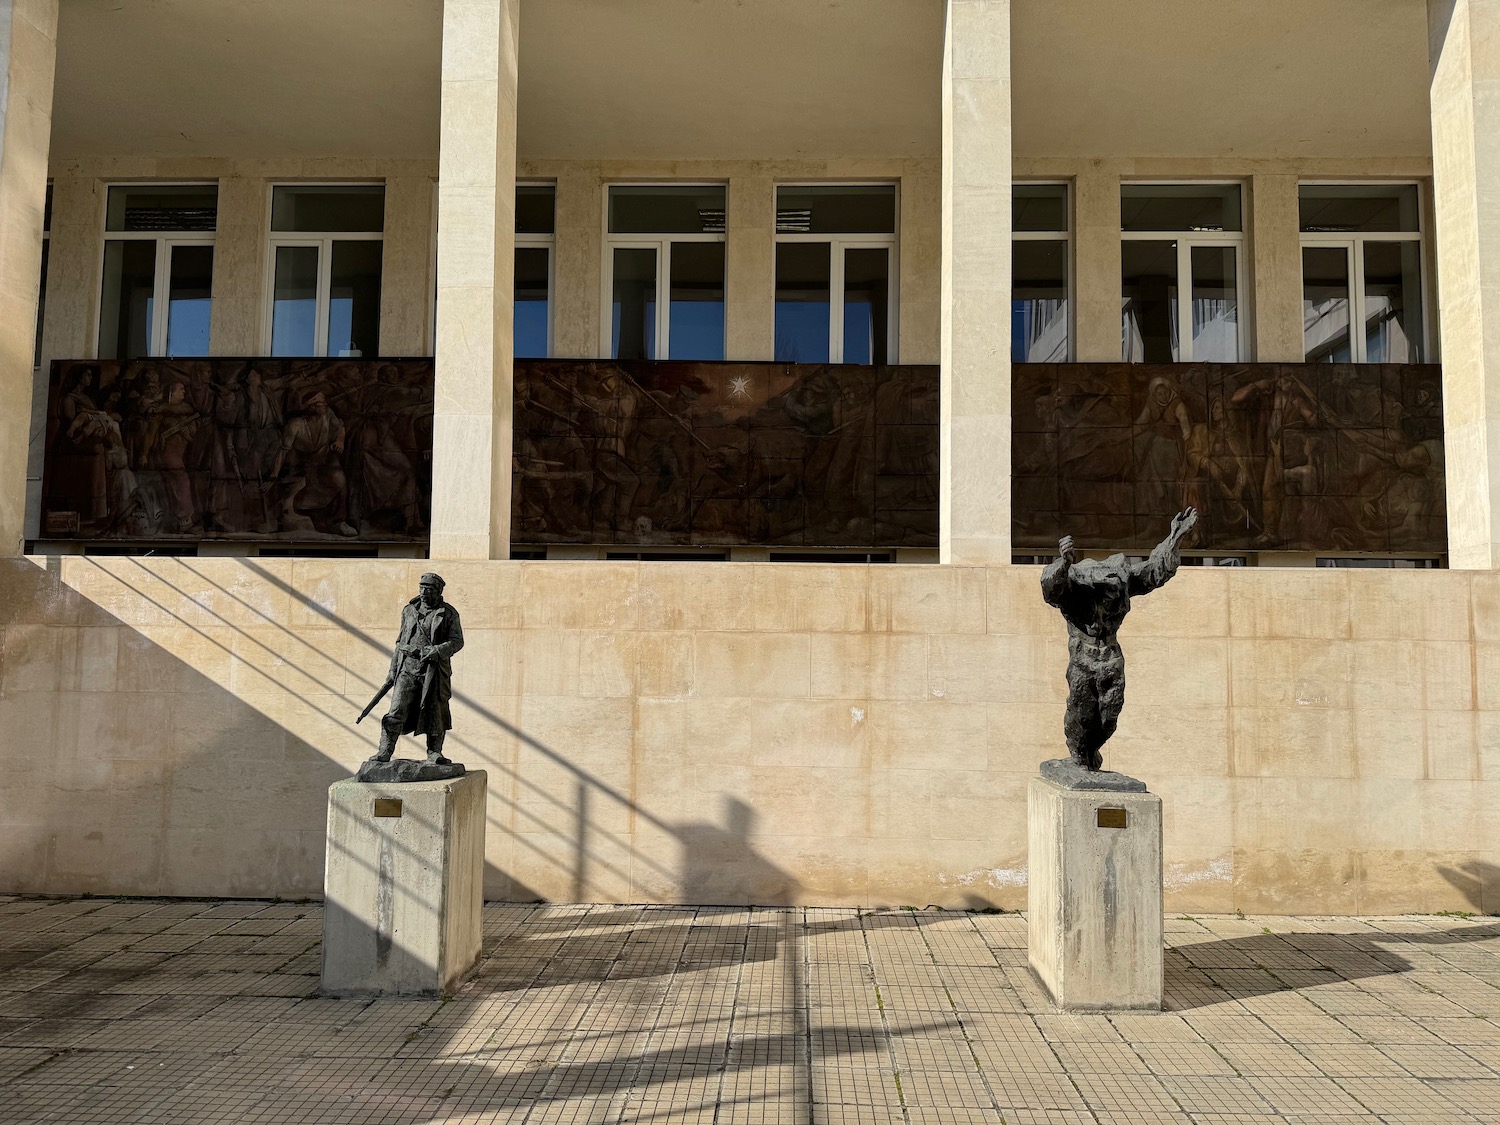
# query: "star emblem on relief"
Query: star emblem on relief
{"points": [[739, 387]]}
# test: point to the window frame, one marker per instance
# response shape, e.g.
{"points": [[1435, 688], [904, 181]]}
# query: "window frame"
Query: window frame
{"points": [[547, 242], [662, 244], [1066, 237], [161, 280], [1186, 240], [837, 244], [324, 241], [1352, 242]]}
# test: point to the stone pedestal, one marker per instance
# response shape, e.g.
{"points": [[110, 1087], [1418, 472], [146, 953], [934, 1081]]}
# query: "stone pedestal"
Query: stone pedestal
{"points": [[1095, 912], [404, 885]]}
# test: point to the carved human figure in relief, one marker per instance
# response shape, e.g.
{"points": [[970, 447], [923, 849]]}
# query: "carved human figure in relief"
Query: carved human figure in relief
{"points": [[1094, 598]]}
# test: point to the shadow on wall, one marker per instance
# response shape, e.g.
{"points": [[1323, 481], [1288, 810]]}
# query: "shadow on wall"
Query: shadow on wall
{"points": [[1477, 881], [147, 771]]}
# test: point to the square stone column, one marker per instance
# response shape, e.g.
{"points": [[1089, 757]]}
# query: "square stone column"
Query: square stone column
{"points": [[28, 55], [1464, 54], [471, 432], [1096, 254], [974, 496], [403, 885], [1094, 915], [1277, 256]]}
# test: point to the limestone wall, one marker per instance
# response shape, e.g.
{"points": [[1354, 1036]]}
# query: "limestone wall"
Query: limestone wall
{"points": [[1323, 740]]}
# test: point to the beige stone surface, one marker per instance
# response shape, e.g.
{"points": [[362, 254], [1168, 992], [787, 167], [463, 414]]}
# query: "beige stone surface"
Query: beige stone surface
{"points": [[1320, 739], [975, 275], [1094, 910], [28, 52], [403, 893], [1464, 48], [471, 440]]}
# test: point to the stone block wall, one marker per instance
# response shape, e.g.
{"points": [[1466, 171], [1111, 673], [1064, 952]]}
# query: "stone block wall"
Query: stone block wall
{"points": [[1323, 740]]}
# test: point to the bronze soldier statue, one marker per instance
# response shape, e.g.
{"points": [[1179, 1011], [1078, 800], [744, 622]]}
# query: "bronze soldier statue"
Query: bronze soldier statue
{"points": [[421, 684], [1094, 598]]}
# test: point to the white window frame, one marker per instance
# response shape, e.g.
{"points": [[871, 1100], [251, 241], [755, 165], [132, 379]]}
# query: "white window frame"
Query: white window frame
{"points": [[1186, 241], [662, 244], [324, 240], [838, 243], [1066, 238], [1353, 243], [162, 282], [549, 243]]}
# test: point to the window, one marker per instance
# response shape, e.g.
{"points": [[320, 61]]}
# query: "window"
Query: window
{"points": [[535, 240], [1361, 264], [1039, 286], [836, 273], [326, 247], [1177, 236], [41, 292], [664, 272], [157, 291]]}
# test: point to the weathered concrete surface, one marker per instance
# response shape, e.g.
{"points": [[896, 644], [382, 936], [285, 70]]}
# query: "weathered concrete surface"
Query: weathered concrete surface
{"points": [[1323, 740], [1095, 916], [403, 887]]}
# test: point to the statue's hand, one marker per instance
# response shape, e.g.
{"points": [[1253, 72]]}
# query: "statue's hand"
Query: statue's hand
{"points": [[1065, 549], [1184, 522]]}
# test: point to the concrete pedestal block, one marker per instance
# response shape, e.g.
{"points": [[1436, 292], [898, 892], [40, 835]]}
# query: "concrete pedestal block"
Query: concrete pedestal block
{"points": [[1095, 913], [404, 885]]}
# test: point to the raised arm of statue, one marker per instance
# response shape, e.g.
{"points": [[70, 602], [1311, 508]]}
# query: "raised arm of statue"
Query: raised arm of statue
{"points": [[1162, 563], [1055, 576]]}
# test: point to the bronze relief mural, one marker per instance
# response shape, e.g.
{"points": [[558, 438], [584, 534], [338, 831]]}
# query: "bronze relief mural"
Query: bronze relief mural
{"points": [[1293, 457], [263, 450], [656, 453], [1275, 457]]}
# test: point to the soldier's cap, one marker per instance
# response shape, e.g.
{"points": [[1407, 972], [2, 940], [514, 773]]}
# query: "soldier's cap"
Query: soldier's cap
{"points": [[430, 579]]}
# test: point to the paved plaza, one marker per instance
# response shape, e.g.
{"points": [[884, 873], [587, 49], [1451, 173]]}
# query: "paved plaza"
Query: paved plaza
{"points": [[150, 1011]]}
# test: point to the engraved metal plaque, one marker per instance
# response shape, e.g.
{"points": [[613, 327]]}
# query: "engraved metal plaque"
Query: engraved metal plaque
{"points": [[391, 806], [1107, 818]]}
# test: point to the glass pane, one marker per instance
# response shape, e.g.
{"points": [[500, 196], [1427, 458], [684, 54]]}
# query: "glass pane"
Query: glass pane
{"points": [[129, 298], [675, 209], [1041, 207], [1325, 304], [836, 209], [1152, 207], [323, 208], [179, 207], [1148, 276], [695, 317], [633, 329], [533, 299], [1039, 302], [535, 206], [294, 305], [1393, 303], [354, 299], [1216, 314], [41, 302], [1341, 208], [803, 281], [189, 299], [867, 291]]}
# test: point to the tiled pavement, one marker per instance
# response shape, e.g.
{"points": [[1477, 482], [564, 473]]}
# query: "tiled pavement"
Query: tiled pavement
{"points": [[152, 1011]]}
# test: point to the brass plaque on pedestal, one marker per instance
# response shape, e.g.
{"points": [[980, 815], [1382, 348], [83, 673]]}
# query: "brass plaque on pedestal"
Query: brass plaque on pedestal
{"points": [[387, 806], [1107, 818]]}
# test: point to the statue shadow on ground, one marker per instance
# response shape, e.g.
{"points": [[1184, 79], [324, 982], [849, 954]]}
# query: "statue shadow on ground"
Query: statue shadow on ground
{"points": [[1238, 968]]}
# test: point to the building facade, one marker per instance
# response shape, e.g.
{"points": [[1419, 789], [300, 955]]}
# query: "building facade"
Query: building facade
{"points": [[573, 298]]}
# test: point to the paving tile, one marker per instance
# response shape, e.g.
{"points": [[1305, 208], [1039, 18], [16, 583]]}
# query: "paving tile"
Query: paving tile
{"points": [[156, 1012]]}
